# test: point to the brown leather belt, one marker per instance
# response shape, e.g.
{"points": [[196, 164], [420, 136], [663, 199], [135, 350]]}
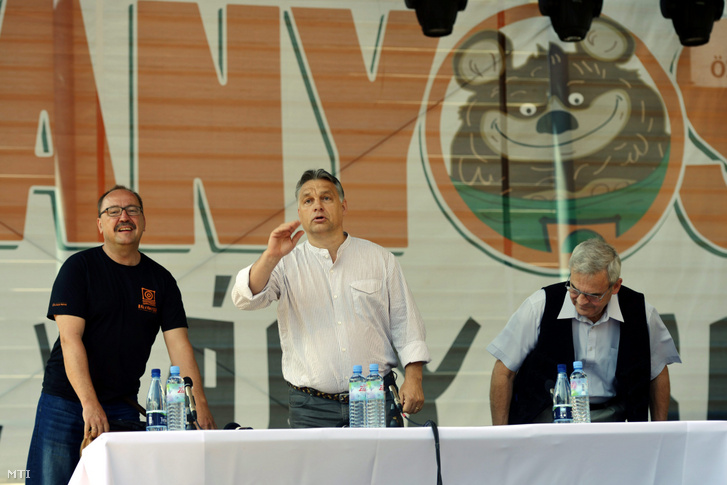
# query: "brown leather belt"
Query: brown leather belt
{"points": [[341, 397]]}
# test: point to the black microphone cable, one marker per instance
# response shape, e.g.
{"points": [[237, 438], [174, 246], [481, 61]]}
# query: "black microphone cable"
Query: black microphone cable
{"points": [[435, 431], [428, 423]]}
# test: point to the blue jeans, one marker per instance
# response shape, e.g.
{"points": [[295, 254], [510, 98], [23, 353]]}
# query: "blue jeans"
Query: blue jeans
{"points": [[56, 443]]}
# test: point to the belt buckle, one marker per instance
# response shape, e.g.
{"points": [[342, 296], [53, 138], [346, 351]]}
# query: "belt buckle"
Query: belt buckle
{"points": [[343, 398]]}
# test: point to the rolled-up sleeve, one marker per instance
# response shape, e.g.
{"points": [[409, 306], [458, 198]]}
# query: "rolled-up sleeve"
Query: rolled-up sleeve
{"points": [[407, 326], [242, 296]]}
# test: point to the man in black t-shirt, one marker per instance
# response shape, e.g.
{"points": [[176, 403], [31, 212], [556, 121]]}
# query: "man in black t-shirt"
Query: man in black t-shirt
{"points": [[109, 303]]}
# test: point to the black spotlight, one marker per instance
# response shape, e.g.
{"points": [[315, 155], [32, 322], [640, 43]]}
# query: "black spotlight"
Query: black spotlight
{"points": [[692, 19], [571, 19], [436, 16]]}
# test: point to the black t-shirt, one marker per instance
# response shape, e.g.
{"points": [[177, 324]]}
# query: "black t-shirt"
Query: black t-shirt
{"points": [[124, 307]]}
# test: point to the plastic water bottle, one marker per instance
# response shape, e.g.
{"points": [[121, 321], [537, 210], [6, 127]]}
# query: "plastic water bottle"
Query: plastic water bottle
{"points": [[175, 400], [579, 394], [375, 399], [562, 409], [156, 416], [357, 399]]}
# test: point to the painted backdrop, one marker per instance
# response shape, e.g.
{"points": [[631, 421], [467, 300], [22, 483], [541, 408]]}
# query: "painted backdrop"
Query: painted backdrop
{"points": [[480, 159]]}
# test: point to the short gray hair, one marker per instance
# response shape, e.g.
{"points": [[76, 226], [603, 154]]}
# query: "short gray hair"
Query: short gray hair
{"points": [[319, 174], [593, 256]]}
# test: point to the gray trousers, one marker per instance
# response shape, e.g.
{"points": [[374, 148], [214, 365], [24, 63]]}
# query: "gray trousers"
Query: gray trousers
{"points": [[307, 411]]}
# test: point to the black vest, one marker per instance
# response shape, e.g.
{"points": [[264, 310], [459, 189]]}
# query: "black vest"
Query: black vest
{"points": [[531, 388]]}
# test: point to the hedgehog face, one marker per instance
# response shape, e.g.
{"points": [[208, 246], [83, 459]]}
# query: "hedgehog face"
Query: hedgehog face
{"points": [[579, 116]]}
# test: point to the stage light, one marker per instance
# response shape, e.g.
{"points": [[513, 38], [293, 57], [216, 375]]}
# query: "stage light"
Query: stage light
{"points": [[436, 16], [571, 19], [692, 19]]}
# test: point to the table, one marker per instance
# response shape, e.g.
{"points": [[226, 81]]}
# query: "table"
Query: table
{"points": [[666, 453]]}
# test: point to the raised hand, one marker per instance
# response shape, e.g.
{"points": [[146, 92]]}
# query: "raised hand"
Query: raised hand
{"points": [[283, 239], [281, 242]]}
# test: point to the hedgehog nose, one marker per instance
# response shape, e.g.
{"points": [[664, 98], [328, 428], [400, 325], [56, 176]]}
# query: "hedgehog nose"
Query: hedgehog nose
{"points": [[557, 122]]}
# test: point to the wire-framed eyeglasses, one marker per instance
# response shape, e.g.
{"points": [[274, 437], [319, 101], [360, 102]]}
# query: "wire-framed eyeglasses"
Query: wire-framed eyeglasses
{"points": [[115, 210], [593, 298]]}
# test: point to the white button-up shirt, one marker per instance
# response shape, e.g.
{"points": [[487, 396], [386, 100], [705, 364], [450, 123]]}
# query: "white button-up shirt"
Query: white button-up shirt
{"points": [[595, 344], [331, 316]]}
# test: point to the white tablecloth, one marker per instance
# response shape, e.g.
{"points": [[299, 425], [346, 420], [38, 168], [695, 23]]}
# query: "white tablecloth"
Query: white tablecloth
{"points": [[669, 453]]}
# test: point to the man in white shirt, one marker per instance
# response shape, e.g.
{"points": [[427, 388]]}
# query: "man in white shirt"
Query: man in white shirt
{"points": [[620, 338], [342, 301]]}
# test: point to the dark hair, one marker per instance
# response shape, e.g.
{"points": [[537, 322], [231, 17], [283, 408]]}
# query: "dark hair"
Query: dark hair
{"points": [[118, 187], [318, 174]]}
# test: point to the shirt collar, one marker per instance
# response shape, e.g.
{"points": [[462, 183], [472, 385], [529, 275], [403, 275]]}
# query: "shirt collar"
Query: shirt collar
{"points": [[613, 310], [324, 252]]}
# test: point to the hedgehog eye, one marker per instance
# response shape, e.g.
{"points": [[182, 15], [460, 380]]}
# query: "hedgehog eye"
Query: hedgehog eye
{"points": [[528, 109], [575, 99]]}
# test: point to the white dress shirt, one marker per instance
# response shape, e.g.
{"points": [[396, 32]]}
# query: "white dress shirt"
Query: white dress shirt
{"points": [[331, 316], [595, 344]]}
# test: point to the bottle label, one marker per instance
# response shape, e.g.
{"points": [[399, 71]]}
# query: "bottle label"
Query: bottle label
{"points": [[578, 387], [175, 393], [156, 418], [562, 413], [375, 390], [357, 391]]}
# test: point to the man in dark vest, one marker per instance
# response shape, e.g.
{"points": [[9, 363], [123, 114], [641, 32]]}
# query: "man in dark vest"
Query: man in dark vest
{"points": [[620, 338]]}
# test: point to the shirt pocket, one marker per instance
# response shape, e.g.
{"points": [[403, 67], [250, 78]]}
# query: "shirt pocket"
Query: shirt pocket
{"points": [[366, 294]]}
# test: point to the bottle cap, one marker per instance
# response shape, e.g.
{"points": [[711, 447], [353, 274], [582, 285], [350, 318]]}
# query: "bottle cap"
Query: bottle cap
{"points": [[561, 368], [357, 369], [156, 373], [174, 370], [374, 368], [578, 364]]}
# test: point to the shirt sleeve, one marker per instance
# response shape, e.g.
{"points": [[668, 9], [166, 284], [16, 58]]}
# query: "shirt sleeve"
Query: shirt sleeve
{"points": [[663, 349], [242, 296], [173, 313], [407, 325], [68, 295], [521, 332]]}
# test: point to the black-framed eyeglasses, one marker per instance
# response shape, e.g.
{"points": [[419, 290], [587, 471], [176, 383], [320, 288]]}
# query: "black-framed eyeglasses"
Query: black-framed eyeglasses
{"points": [[115, 210], [593, 298]]}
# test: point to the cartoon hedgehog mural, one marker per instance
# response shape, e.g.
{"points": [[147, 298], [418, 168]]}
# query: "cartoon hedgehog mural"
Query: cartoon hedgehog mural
{"points": [[578, 124]]}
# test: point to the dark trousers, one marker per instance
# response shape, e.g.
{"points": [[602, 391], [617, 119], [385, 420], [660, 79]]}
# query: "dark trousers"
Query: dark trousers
{"points": [[56, 442], [612, 413], [307, 411]]}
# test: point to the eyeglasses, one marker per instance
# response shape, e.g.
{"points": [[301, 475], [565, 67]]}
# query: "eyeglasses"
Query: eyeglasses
{"points": [[593, 298], [115, 210]]}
